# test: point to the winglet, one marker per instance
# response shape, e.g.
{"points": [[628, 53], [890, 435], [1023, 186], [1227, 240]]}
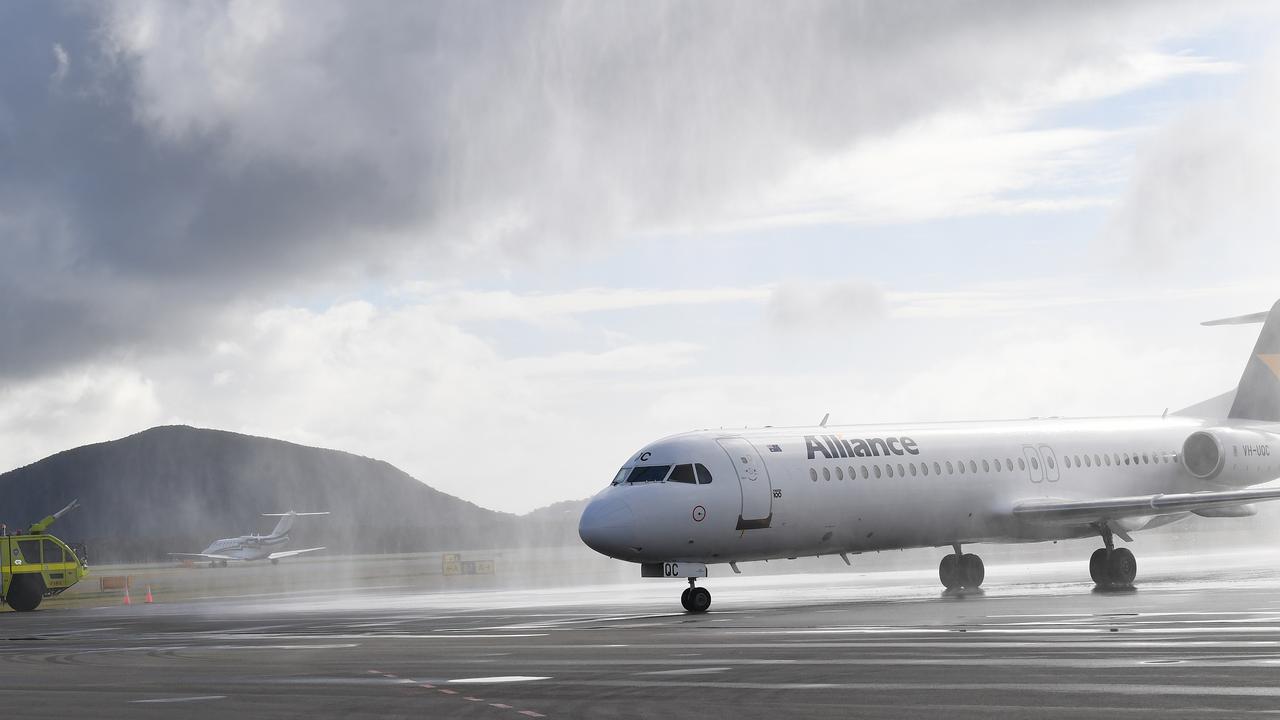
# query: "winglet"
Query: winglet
{"points": [[825, 418]]}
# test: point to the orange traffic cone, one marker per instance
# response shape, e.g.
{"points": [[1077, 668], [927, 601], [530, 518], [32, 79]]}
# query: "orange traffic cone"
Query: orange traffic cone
{"points": [[149, 599], [127, 601]]}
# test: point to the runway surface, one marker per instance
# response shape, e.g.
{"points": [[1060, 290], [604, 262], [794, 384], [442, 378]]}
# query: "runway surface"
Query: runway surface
{"points": [[1198, 638]]}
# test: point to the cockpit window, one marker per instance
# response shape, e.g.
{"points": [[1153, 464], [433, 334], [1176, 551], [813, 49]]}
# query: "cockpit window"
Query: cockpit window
{"points": [[704, 475], [682, 474], [621, 477], [648, 473]]}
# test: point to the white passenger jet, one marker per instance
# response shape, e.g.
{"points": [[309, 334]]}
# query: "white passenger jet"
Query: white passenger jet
{"points": [[254, 547], [718, 496]]}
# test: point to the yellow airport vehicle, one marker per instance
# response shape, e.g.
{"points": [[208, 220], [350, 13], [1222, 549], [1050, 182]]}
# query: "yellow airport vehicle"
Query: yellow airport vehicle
{"points": [[35, 565]]}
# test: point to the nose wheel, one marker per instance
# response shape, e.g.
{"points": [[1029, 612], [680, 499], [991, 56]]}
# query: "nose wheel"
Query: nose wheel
{"points": [[695, 599], [961, 570]]}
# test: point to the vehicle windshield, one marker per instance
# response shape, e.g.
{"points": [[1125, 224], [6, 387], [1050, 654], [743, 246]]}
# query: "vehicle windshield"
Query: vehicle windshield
{"points": [[648, 473]]}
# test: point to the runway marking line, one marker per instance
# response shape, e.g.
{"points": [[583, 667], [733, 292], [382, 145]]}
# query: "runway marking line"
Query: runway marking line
{"points": [[474, 699], [447, 691], [531, 713], [500, 705]]}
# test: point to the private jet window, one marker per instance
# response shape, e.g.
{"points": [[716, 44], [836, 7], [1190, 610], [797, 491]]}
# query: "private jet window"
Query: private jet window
{"points": [[704, 475], [648, 473], [621, 477], [937, 469], [950, 469], [986, 466], [865, 473], [826, 474], [877, 469], [683, 474], [813, 475]]}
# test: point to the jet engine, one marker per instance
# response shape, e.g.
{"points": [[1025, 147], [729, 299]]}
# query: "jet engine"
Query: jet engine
{"points": [[1205, 452]]}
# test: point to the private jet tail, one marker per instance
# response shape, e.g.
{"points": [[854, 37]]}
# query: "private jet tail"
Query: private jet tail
{"points": [[1258, 395], [286, 521]]}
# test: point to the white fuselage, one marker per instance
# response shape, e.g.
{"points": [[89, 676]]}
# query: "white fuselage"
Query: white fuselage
{"points": [[787, 492], [247, 547]]}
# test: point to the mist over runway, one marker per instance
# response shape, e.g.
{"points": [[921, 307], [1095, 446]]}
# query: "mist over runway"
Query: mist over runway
{"points": [[1199, 637]]}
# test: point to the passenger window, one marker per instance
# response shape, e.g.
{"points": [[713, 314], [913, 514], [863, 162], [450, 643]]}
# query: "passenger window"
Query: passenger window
{"points": [[826, 474], [996, 462], [1077, 459], [840, 473], [683, 474], [924, 469], [877, 469], [30, 551], [1126, 458], [950, 468], [912, 466], [1145, 460], [1117, 458], [865, 474], [888, 470], [704, 475], [960, 466], [1097, 461], [1022, 464], [813, 475], [53, 552], [902, 472], [1008, 464], [1049, 462], [937, 469], [648, 473], [1087, 463], [1066, 461], [973, 466], [986, 466]]}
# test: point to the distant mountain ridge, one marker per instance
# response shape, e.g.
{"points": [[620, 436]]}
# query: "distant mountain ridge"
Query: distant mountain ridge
{"points": [[175, 488]]}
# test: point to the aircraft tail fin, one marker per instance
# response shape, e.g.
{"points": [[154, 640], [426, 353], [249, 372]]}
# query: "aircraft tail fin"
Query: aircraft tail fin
{"points": [[286, 520], [1258, 395]]}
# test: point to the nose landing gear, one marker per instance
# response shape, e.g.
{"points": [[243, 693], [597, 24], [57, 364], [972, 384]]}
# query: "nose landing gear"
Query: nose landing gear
{"points": [[959, 570], [1112, 567], [695, 599]]}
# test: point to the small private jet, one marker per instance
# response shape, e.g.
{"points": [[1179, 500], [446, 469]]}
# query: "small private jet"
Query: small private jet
{"points": [[719, 496], [254, 547]]}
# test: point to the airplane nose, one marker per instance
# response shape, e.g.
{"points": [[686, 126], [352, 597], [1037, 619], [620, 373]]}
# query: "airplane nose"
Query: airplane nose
{"points": [[608, 527]]}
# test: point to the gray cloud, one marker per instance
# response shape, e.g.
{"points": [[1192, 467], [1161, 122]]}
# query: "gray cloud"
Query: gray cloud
{"points": [[795, 305], [191, 156]]}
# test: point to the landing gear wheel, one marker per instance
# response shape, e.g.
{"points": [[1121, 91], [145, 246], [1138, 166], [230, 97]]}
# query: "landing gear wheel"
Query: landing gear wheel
{"points": [[684, 599], [1122, 567], [699, 599], [949, 572], [1098, 567], [972, 571], [25, 593]]}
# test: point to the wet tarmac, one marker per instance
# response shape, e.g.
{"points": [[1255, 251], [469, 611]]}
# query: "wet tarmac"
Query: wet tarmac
{"points": [[1197, 638]]}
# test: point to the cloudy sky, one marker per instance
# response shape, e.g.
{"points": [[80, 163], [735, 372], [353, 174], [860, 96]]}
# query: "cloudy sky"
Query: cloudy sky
{"points": [[502, 245]]}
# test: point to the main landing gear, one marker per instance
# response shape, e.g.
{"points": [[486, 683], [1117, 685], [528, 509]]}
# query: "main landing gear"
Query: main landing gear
{"points": [[1110, 566], [960, 570], [695, 599]]}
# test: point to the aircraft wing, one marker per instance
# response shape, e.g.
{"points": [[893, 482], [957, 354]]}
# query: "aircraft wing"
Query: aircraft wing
{"points": [[291, 553], [1070, 512], [205, 556]]}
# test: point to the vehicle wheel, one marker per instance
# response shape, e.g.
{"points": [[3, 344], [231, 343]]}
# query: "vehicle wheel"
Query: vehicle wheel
{"points": [[949, 572], [1098, 567], [1122, 567], [684, 599], [972, 571], [699, 600], [25, 593]]}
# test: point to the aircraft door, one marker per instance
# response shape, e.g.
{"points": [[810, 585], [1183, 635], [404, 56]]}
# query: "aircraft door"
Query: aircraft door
{"points": [[753, 478], [1035, 468], [1049, 462]]}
